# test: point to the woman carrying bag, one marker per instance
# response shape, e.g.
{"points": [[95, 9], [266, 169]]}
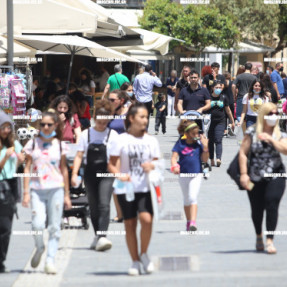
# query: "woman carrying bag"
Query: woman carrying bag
{"points": [[265, 143], [10, 156]]}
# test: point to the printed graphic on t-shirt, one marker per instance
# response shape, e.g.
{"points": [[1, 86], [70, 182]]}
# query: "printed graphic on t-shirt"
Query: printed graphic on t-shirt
{"points": [[255, 104], [188, 150], [137, 156]]}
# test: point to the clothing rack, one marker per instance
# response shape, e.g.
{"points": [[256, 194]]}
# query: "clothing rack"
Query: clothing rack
{"points": [[11, 68]]}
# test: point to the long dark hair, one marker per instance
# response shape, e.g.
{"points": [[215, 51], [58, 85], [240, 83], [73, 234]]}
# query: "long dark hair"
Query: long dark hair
{"points": [[9, 141], [133, 110], [251, 93], [63, 99], [54, 116], [88, 79]]}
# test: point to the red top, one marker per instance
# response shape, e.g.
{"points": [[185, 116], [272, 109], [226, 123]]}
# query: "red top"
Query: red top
{"points": [[68, 134], [86, 114]]}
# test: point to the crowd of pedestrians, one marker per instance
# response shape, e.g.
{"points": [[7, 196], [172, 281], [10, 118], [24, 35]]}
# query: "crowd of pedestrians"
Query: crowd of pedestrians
{"points": [[117, 141]]}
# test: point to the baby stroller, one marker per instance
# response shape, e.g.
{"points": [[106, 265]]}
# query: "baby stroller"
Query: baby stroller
{"points": [[80, 206], [203, 121]]}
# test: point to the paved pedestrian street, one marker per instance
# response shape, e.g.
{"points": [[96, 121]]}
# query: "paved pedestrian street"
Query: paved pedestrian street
{"points": [[222, 253]]}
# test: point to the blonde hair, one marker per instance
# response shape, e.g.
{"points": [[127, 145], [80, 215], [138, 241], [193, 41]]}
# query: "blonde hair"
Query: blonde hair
{"points": [[264, 110]]}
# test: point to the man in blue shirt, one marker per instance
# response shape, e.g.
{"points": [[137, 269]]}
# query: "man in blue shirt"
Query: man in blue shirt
{"points": [[143, 87], [277, 80], [194, 97]]}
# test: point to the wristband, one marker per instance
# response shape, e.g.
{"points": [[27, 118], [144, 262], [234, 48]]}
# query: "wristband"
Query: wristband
{"points": [[205, 150], [174, 166]]}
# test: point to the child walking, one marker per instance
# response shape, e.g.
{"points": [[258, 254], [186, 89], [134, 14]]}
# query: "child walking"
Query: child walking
{"points": [[187, 155], [48, 191], [160, 114]]}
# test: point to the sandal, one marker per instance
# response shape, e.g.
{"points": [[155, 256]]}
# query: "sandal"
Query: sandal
{"points": [[270, 248], [117, 220], [259, 244]]}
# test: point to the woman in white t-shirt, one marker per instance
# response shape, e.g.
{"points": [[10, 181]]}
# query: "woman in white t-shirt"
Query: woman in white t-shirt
{"points": [[134, 153], [252, 101], [93, 148], [87, 86], [48, 187]]}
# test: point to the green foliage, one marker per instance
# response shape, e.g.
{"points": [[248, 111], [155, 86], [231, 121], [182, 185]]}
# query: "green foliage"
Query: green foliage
{"points": [[254, 19], [199, 25]]}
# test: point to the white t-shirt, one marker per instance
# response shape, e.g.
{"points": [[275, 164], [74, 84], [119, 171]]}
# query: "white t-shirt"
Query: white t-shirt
{"points": [[97, 138], [87, 88], [253, 104], [133, 152], [46, 163]]}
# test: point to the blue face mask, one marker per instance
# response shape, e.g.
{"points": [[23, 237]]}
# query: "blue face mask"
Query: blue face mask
{"points": [[267, 72], [51, 135], [217, 91], [256, 92], [130, 94]]}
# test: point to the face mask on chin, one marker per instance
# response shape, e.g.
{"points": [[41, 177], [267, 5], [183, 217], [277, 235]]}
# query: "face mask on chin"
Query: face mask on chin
{"points": [[51, 135]]}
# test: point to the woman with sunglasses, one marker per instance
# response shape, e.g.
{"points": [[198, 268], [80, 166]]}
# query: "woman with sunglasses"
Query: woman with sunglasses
{"points": [[133, 155], [48, 187], [72, 126], [264, 142], [93, 149], [10, 157], [252, 101]]}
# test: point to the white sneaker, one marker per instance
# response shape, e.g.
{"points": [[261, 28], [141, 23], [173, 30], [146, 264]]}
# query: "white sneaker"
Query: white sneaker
{"points": [[147, 264], [37, 257], [135, 269], [94, 243], [50, 268], [103, 244]]}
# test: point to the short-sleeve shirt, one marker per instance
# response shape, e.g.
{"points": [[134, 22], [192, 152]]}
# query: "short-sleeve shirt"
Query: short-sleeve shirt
{"points": [[276, 78], [96, 138], [68, 133], [169, 82], [116, 80], [254, 104], [133, 151], [87, 88], [208, 80], [193, 99], [158, 106], [189, 156], [182, 83], [10, 166], [46, 158], [243, 82], [118, 124], [217, 110]]}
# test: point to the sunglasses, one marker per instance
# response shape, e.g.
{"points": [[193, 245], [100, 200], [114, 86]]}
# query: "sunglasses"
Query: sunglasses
{"points": [[46, 124], [112, 100], [6, 127], [271, 113]]}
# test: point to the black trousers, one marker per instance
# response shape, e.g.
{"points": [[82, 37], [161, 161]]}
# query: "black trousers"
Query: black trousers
{"points": [[162, 121], [266, 196], [149, 108], [231, 106], [99, 193], [6, 220]]}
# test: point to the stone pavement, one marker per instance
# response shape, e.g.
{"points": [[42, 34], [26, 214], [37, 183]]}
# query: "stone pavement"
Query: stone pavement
{"points": [[223, 256]]}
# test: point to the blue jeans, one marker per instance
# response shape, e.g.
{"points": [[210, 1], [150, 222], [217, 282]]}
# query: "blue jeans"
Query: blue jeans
{"points": [[90, 100], [215, 135], [239, 108], [250, 120], [49, 203]]}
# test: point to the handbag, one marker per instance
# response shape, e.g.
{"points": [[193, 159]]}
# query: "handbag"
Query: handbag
{"points": [[234, 169]]}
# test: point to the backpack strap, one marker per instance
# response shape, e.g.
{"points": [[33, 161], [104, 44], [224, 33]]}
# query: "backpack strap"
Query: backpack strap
{"points": [[33, 144], [88, 136], [109, 132]]}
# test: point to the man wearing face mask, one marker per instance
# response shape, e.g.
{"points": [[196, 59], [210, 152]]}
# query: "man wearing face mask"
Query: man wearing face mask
{"points": [[277, 80]]}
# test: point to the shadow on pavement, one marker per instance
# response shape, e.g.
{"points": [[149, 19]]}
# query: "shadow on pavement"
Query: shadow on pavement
{"points": [[236, 251]]}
